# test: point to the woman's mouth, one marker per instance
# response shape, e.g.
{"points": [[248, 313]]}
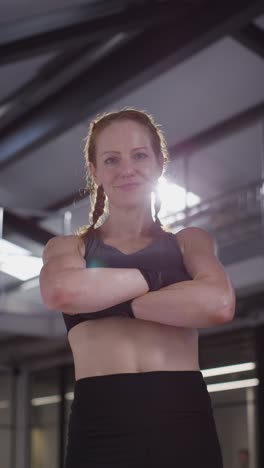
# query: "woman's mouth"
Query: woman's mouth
{"points": [[128, 186]]}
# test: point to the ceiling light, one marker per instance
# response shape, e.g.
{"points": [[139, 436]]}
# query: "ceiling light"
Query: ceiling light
{"points": [[220, 387], [247, 366]]}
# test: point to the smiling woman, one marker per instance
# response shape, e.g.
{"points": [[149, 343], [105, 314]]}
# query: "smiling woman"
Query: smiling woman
{"points": [[122, 162], [131, 308]]}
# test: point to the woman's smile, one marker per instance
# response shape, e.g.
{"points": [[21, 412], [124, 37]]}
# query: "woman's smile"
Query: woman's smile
{"points": [[128, 187]]}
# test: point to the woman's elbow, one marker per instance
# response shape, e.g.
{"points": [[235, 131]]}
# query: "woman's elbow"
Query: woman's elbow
{"points": [[226, 314], [53, 300], [53, 295]]}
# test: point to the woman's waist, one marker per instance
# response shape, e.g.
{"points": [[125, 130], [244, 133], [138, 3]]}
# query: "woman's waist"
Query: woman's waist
{"points": [[113, 354]]}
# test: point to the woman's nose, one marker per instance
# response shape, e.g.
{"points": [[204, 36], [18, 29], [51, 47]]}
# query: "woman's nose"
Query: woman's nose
{"points": [[127, 166]]}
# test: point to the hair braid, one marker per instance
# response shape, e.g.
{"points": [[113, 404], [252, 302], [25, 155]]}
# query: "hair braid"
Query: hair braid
{"points": [[98, 206]]}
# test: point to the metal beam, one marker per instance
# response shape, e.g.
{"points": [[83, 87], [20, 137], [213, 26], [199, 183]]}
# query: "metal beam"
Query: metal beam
{"points": [[83, 23], [100, 86], [22, 348], [26, 228], [55, 75], [66, 66], [38, 324], [58, 63], [219, 131], [252, 37], [98, 21]]}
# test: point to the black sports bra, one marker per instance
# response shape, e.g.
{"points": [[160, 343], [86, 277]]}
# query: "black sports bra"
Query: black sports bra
{"points": [[163, 253]]}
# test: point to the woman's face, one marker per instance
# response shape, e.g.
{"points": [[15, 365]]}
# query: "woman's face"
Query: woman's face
{"points": [[124, 155]]}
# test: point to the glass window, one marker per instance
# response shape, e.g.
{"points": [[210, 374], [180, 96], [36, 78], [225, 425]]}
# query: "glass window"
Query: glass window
{"points": [[235, 416], [6, 434], [45, 410]]}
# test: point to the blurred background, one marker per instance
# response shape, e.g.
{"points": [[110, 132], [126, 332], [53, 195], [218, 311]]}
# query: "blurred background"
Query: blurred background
{"points": [[198, 68]]}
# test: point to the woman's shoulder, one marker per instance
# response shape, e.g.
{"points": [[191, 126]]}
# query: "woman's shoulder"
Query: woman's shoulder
{"points": [[192, 235], [60, 245]]}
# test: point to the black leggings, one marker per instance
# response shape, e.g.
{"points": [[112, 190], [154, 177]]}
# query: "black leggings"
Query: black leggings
{"points": [[151, 419]]}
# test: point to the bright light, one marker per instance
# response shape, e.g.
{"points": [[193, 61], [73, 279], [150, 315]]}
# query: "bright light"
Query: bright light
{"points": [[9, 248], [173, 198], [49, 400], [18, 262], [46, 400], [247, 366], [220, 387]]}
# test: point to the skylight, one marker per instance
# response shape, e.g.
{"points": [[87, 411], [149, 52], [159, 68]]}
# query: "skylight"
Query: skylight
{"points": [[18, 262]]}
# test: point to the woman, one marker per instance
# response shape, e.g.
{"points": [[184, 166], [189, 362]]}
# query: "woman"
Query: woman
{"points": [[133, 295]]}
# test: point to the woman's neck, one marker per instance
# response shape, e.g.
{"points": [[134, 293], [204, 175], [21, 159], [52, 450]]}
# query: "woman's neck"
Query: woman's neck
{"points": [[152, 230]]}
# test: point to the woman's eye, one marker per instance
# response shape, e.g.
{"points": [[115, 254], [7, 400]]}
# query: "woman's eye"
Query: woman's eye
{"points": [[112, 158], [142, 154], [108, 159]]}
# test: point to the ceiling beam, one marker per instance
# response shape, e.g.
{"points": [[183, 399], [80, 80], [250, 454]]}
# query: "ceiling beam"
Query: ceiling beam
{"points": [[25, 227], [38, 324], [29, 345], [58, 63], [55, 75], [223, 129], [167, 46], [69, 27], [252, 37]]}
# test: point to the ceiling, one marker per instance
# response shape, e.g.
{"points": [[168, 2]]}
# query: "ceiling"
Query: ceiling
{"points": [[198, 68]]}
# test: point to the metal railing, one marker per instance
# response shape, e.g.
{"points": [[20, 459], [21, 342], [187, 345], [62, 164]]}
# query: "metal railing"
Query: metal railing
{"points": [[231, 217]]}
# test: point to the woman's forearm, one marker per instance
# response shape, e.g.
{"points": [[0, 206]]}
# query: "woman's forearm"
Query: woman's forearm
{"points": [[194, 304], [94, 289]]}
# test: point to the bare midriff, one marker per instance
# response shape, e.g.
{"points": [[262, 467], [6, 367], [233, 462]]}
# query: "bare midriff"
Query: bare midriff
{"points": [[115, 345]]}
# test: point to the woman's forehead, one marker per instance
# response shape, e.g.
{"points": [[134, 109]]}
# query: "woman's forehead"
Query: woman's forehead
{"points": [[124, 133]]}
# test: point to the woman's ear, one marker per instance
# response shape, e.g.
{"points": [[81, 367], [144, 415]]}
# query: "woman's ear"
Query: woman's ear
{"points": [[161, 161], [161, 168], [91, 168], [92, 172]]}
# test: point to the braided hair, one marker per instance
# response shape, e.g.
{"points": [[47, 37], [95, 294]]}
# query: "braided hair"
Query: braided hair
{"points": [[97, 194]]}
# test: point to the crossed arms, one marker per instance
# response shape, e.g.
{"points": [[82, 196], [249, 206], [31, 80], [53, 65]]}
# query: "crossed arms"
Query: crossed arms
{"points": [[207, 300]]}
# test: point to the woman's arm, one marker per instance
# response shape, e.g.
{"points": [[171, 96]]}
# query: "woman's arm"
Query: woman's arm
{"points": [[67, 285], [205, 301], [190, 304]]}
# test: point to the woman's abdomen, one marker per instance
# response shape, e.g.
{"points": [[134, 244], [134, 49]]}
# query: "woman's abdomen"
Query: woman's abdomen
{"points": [[117, 345]]}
